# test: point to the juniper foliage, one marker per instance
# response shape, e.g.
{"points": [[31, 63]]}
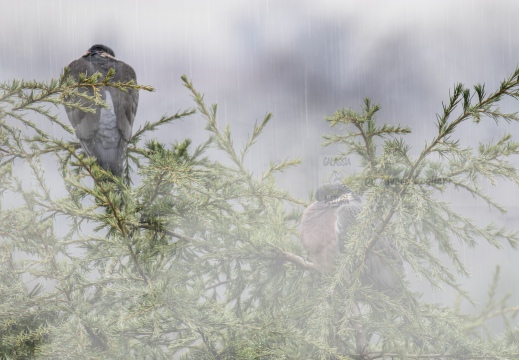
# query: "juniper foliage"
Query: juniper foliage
{"points": [[193, 258]]}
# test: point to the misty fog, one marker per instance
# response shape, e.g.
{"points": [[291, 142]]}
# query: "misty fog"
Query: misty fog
{"points": [[299, 60]]}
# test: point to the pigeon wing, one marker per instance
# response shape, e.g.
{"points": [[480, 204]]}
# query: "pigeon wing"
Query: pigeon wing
{"points": [[86, 124], [125, 108]]}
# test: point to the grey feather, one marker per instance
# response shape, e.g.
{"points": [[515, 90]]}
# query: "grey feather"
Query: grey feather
{"points": [[105, 134]]}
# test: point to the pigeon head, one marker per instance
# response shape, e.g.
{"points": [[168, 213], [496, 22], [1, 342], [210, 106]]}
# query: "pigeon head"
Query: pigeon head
{"points": [[99, 49], [335, 194]]}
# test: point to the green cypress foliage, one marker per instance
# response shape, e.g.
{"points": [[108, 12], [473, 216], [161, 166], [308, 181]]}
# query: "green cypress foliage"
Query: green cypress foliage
{"points": [[193, 256]]}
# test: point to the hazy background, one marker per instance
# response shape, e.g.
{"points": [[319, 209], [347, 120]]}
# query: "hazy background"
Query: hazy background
{"points": [[300, 60]]}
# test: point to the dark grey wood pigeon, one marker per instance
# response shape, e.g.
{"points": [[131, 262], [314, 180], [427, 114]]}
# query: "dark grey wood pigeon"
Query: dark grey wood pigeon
{"points": [[105, 133], [324, 228]]}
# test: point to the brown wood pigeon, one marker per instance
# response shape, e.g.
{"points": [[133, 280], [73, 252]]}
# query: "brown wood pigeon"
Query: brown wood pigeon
{"points": [[105, 133], [324, 228]]}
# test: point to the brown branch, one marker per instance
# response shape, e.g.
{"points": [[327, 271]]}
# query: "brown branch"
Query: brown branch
{"points": [[167, 232], [298, 260], [361, 342]]}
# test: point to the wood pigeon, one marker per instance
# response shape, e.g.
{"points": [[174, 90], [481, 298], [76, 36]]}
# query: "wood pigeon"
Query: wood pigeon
{"points": [[324, 228], [105, 133]]}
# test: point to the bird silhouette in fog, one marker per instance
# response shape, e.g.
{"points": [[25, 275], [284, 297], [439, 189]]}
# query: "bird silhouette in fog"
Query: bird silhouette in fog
{"points": [[324, 228], [105, 134]]}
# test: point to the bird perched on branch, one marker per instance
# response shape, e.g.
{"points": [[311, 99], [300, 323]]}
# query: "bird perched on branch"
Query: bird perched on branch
{"points": [[105, 134], [325, 226]]}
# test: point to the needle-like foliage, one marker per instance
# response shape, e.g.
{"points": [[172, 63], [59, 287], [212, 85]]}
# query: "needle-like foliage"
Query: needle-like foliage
{"points": [[197, 258]]}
